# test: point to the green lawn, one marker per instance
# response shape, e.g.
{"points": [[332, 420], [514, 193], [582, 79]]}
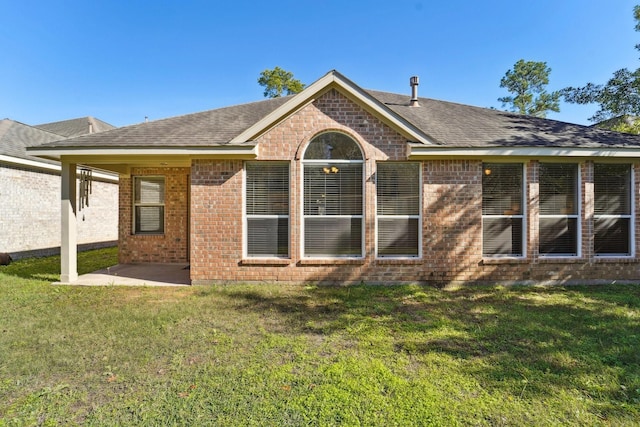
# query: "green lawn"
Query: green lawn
{"points": [[306, 355]]}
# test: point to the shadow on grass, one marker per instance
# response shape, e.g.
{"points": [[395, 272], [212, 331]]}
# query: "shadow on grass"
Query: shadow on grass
{"points": [[48, 268], [532, 339]]}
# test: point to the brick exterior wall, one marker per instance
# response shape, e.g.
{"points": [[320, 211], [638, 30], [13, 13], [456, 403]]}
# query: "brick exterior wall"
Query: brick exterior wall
{"points": [[30, 219], [216, 219], [451, 216], [170, 247]]}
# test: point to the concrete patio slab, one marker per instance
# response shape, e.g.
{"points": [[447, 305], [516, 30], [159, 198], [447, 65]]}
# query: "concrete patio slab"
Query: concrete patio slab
{"points": [[136, 275]]}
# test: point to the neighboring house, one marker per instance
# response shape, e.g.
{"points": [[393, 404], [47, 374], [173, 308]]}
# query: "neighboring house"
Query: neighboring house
{"points": [[76, 127], [342, 184], [30, 222]]}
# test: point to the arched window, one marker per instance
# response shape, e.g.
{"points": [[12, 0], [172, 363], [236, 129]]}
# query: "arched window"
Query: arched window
{"points": [[333, 197]]}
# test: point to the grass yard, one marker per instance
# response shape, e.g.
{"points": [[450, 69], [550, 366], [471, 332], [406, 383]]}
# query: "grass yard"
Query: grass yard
{"points": [[279, 355]]}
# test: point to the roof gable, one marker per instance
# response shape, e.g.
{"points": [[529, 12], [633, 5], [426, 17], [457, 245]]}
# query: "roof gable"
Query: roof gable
{"points": [[76, 127], [334, 80]]}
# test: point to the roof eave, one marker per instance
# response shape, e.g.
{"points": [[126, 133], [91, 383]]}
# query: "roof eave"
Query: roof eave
{"points": [[49, 167], [56, 153], [420, 151]]}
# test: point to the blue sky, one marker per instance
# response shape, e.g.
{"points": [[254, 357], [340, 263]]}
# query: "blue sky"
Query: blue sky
{"points": [[123, 60]]}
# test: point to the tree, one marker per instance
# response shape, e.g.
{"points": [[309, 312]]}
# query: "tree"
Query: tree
{"points": [[278, 81], [619, 97], [527, 81]]}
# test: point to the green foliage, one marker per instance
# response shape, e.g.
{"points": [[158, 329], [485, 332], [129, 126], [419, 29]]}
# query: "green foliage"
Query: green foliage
{"points": [[255, 355], [624, 124], [277, 82], [527, 82], [620, 96]]}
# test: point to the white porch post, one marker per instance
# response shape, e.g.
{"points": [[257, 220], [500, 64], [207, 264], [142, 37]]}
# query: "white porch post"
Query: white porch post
{"points": [[69, 241]]}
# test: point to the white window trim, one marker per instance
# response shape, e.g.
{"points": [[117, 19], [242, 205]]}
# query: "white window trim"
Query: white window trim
{"points": [[134, 230], [578, 217], [523, 216], [419, 217], [362, 217], [246, 217]]}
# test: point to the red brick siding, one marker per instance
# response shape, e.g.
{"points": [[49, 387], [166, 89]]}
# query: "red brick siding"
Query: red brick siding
{"points": [[452, 219], [170, 247], [452, 215], [216, 219]]}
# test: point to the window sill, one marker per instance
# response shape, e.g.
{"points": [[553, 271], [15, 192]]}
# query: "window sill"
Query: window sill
{"points": [[399, 261], [332, 261], [506, 260], [149, 235], [560, 259], [265, 261], [615, 259]]}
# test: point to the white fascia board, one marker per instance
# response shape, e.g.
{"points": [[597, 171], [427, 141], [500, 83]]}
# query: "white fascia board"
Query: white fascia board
{"points": [[311, 92], [418, 151], [56, 153], [105, 176], [29, 163]]}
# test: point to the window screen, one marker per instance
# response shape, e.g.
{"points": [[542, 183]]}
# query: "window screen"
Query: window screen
{"points": [[148, 200], [502, 209], [559, 209], [612, 216], [267, 209], [398, 209]]}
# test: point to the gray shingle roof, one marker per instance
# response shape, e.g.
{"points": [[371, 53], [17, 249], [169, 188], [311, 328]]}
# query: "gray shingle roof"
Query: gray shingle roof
{"points": [[207, 128], [448, 124], [16, 136], [458, 125], [76, 127]]}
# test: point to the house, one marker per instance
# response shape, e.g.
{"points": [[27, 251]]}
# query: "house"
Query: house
{"points": [[342, 184], [30, 192]]}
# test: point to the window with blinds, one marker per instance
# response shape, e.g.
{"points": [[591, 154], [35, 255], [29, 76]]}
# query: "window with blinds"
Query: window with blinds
{"points": [[267, 209], [613, 214], [148, 205], [333, 197], [559, 209], [398, 209], [502, 209]]}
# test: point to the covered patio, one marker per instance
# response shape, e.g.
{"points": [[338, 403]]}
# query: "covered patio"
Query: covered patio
{"points": [[136, 275]]}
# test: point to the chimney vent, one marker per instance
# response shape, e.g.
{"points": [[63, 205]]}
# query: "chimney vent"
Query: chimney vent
{"points": [[414, 82]]}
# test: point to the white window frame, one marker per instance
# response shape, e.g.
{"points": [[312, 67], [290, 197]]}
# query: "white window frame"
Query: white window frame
{"points": [[418, 217], [307, 162], [577, 216], [136, 205], [522, 216], [630, 217], [246, 217]]}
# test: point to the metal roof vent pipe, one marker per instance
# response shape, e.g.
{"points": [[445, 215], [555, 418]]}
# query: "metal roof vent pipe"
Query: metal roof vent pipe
{"points": [[414, 82]]}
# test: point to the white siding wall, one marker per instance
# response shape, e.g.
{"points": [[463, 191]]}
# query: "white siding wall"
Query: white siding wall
{"points": [[30, 213]]}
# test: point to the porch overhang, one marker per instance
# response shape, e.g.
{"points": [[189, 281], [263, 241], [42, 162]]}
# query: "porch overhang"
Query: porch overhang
{"points": [[120, 160]]}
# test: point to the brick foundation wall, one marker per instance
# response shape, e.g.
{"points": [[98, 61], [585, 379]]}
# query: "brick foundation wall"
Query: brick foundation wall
{"points": [[30, 219], [173, 245]]}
